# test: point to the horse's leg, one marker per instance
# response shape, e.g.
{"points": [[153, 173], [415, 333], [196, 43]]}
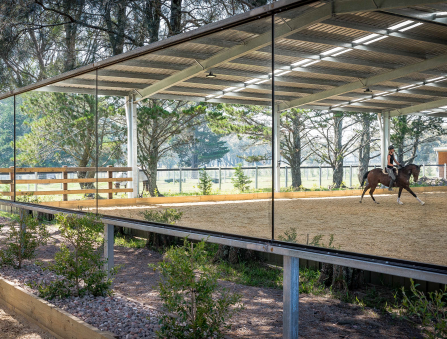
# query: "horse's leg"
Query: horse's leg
{"points": [[371, 191], [367, 187], [398, 197], [414, 195]]}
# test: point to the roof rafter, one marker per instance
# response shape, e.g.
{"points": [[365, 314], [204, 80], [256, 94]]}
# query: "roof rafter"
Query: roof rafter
{"points": [[419, 108], [366, 82]]}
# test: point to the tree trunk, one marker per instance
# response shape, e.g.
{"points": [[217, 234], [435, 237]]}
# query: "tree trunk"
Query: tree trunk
{"points": [[365, 146], [235, 255], [337, 177], [151, 173], [153, 10], [341, 278], [175, 21]]}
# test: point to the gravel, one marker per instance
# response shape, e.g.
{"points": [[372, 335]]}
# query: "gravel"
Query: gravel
{"points": [[117, 314]]}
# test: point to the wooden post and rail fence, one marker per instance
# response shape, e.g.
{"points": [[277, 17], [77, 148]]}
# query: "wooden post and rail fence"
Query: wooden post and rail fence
{"points": [[64, 171]]}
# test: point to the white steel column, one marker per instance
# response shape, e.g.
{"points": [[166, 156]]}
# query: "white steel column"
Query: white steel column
{"points": [[135, 170], [128, 107], [291, 293], [131, 116], [384, 124], [276, 148]]}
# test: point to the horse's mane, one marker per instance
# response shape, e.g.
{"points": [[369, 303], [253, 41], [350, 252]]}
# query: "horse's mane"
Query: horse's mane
{"points": [[408, 165]]}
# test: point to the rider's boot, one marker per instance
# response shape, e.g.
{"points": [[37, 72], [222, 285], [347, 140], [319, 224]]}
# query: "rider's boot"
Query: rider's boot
{"points": [[390, 188]]}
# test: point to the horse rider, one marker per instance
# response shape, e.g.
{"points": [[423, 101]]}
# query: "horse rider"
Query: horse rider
{"points": [[390, 166]]}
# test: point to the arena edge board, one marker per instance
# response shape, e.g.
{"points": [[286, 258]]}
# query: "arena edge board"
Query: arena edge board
{"points": [[50, 318], [392, 266], [227, 197]]}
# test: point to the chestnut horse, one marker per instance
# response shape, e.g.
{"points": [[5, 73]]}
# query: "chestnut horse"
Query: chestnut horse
{"points": [[376, 176]]}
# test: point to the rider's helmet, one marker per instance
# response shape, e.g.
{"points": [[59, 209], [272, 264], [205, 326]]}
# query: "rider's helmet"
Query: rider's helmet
{"points": [[390, 147]]}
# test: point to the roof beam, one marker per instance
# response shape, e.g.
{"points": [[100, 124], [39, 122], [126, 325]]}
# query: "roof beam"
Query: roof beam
{"points": [[301, 22], [419, 108], [418, 16], [372, 29], [366, 82], [332, 41], [292, 26]]}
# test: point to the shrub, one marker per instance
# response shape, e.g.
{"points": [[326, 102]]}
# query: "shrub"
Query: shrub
{"points": [[167, 216], [431, 310], [240, 180], [186, 288], [22, 240], [205, 182], [79, 262]]}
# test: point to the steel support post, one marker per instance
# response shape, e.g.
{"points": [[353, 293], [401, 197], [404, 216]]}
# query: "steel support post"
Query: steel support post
{"points": [[320, 176], [129, 116], [256, 177], [276, 149], [180, 180], [291, 294], [108, 247], [350, 175], [384, 123], [135, 170]]}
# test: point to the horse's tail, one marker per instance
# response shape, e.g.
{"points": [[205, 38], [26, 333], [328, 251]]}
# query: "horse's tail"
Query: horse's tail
{"points": [[364, 178]]}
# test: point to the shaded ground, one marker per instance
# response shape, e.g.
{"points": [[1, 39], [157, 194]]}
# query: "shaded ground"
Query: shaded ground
{"points": [[14, 326], [408, 231], [321, 317]]}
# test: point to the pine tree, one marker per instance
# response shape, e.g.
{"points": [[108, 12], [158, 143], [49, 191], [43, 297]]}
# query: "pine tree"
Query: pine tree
{"points": [[240, 180]]}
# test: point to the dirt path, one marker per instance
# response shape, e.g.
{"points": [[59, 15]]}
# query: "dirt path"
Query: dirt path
{"points": [[14, 326], [410, 231]]}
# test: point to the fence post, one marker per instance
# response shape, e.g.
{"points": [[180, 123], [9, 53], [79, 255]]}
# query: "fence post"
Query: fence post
{"points": [[320, 176], [307, 174], [350, 175], [65, 184], [220, 178], [36, 177], [291, 293], [12, 178], [423, 167], [180, 180], [286, 176], [445, 171], [111, 182], [256, 177], [108, 247]]}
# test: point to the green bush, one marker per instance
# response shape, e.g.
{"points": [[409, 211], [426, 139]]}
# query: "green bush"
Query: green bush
{"points": [[186, 288], [205, 182], [79, 262], [167, 216], [431, 310], [240, 180], [22, 240]]}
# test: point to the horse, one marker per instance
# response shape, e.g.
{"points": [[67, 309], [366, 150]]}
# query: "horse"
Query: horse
{"points": [[376, 176]]}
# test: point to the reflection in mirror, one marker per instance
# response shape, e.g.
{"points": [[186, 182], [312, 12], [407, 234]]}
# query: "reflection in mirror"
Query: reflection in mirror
{"points": [[196, 142], [7, 148], [56, 147]]}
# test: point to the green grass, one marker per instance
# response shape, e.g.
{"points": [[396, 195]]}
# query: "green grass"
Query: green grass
{"points": [[130, 242], [6, 214]]}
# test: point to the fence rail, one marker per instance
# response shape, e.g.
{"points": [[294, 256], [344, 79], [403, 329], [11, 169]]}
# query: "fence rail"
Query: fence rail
{"points": [[64, 180]]}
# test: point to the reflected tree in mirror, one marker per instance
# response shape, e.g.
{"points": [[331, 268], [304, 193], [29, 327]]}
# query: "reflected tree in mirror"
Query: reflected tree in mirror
{"points": [[62, 131], [164, 126]]}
